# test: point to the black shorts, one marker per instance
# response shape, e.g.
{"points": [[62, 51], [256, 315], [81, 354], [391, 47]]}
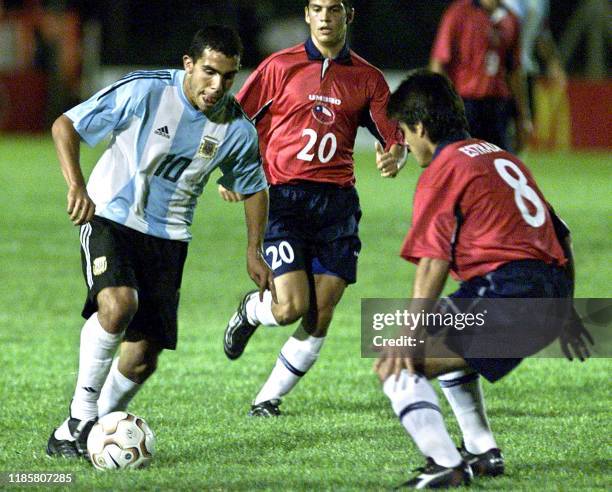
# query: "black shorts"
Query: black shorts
{"points": [[489, 119], [523, 303], [113, 255], [313, 227]]}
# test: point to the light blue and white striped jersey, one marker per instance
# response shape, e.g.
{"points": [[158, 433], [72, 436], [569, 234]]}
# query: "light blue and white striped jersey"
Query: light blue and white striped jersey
{"points": [[162, 151]]}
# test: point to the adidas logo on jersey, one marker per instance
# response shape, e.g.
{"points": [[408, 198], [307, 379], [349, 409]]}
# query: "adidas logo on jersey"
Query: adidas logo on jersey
{"points": [[163, 131]]}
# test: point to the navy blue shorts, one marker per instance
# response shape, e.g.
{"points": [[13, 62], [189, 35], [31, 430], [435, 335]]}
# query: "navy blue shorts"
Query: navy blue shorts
{"points": [[313, 227], [524, 327]]}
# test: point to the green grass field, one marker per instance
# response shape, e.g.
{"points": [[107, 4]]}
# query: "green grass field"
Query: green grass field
{"points": [[551, 417]]}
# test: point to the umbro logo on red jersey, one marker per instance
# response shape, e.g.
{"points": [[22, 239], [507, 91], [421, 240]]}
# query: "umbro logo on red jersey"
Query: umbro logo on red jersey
{"points": [[163, 131], [330, 100]]}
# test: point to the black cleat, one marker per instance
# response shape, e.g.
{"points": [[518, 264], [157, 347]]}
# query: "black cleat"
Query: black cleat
{"points": [[76, 448], [62, 448], [434, 476], [266, 409], [487, 464], [238, 330]]}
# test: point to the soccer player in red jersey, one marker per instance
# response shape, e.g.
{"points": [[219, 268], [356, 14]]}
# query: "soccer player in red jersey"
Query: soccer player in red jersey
{"points": [[478, 214], [478, 47], [307, 102]]}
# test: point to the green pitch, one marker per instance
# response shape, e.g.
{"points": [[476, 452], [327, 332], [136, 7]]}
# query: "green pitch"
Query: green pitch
{"points": [[551, 417]]}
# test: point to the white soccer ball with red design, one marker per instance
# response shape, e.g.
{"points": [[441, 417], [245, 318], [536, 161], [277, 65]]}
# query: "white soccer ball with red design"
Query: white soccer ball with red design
{"points": [[120, 440]]}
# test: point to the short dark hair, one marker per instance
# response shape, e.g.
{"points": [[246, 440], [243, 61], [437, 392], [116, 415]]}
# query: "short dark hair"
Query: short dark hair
{"points": [[348, 4], [223, 39], [429, 98]]}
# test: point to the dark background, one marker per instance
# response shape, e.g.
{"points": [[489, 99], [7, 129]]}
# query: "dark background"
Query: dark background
{"points": [[392, 34]]}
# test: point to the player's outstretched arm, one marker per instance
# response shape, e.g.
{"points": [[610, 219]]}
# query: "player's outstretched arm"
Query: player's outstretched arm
{"points": [[429, 282], [67, 141], [256, 215]]}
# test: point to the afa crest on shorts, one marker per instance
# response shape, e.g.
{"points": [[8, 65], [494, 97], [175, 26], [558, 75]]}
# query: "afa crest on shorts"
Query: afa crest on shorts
{"points": [[208, 147], [99, 265]]}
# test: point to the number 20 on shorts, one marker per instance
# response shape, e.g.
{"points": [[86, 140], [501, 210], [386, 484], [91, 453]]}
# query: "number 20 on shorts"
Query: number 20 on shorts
{"points": [[283, 253]]}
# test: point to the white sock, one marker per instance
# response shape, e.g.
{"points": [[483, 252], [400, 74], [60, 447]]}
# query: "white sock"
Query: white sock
{"points": [[294, 360], [63, 432], [117, 392], [464, 393], [415, 402], [95, 358], [260, 312]]}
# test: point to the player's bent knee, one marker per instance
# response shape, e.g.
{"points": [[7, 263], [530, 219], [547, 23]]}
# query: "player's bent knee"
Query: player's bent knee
{"points": [[437, 366], [288, 312], [116, 308]]}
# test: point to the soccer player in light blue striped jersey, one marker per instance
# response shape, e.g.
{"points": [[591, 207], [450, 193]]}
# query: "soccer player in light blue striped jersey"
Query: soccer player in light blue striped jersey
{"points": [[169, 130]]}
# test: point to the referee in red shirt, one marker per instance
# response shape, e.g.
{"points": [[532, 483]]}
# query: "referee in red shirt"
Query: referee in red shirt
{"points": [[478, 47]]}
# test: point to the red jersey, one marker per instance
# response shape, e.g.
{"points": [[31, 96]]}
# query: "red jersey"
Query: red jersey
{"points": [[478, 207], [307, 110], [478, 49]]}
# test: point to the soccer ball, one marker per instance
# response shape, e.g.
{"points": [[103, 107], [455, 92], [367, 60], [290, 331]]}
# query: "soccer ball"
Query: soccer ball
{"points": [[120, 440]]}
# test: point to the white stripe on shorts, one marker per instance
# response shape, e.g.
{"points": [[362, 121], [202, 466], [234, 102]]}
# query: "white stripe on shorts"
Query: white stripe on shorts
{"points": [[85, 234]]}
